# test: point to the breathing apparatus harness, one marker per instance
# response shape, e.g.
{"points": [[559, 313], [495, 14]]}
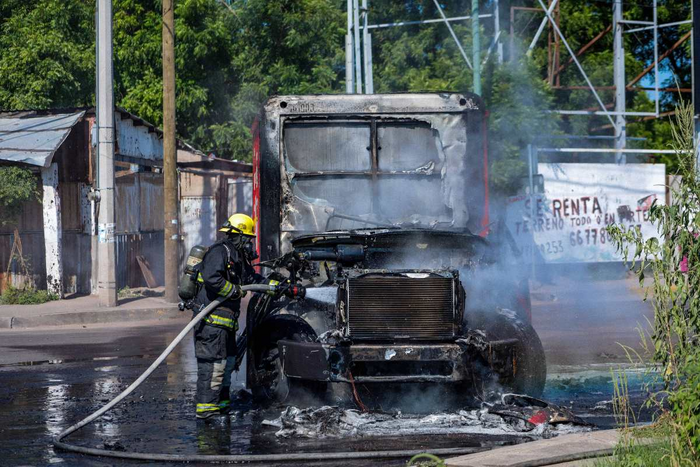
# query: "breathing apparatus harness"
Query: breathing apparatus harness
{"points": [[189, 285]]}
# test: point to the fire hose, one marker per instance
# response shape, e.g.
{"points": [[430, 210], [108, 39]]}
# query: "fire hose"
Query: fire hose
{"points": [[60, 444]]}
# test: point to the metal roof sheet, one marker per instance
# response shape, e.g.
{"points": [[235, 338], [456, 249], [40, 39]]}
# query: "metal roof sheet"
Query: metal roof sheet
{"points": [[34, 140]]}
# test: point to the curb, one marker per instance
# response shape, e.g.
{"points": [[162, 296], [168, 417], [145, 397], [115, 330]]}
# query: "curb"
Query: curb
{"points": [[112, 315], [553, 451]]}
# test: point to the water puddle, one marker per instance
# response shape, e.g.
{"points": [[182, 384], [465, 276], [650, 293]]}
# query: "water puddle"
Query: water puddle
{"points": [[60, 361]]}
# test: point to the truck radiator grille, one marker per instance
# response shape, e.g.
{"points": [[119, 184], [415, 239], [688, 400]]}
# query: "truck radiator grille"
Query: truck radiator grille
{"points": [[395, 308]]}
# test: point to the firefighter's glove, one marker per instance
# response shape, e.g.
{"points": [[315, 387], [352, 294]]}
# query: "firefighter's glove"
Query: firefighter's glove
{"points": [[235, 291], [295, 291]]}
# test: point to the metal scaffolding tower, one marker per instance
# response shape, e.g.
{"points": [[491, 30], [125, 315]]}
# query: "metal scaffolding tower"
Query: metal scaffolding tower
{"points": [[358, 43], [620, 26], [620, 85], [359, 78]]}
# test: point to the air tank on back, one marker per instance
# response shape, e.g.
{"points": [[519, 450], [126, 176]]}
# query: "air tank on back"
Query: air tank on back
{"points": [[188, 282]]}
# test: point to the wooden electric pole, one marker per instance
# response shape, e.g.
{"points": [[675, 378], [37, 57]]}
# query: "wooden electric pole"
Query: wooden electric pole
{"points": [[170, 194]]}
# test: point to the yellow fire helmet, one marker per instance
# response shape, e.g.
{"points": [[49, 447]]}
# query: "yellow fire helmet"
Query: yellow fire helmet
{"points": [[239, 223]]}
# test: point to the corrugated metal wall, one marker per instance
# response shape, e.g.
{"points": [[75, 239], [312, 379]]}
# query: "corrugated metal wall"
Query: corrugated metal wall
{"points": [[77, 255], [240, 195], [199, 217], [139, 229], [129, 246]]}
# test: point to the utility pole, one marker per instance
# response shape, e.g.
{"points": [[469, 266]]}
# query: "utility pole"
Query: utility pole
{"points": [[497, 31], [358, 54], [106, 251], [620, 83], [476, 48], [349, 56], [170, 194], [367, 50]]}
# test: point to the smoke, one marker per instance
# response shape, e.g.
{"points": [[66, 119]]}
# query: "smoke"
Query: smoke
{"points": [[321, 295]]}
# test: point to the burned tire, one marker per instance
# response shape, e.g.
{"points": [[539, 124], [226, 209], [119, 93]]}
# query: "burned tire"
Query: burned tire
{"points": [[272, 385], [530, 364]]}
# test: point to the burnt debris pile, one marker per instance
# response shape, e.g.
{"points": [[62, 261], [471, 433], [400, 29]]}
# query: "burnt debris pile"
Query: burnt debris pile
{"points": [[511, 414]]}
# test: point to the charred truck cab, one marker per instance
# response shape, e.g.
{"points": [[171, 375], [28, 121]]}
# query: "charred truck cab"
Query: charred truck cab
{"points": [[376, 202]]}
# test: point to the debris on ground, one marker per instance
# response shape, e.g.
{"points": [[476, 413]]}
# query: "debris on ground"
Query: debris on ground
{"points": [[139, 292], [533, 411], [513, 414]]}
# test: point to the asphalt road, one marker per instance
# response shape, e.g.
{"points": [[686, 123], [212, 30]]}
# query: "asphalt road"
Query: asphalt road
{"points": [[50, 378], [589, 319]]}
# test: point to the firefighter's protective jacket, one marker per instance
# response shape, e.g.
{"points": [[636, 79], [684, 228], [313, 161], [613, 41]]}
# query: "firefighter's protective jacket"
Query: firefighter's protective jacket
{"points": [[222, 267]]}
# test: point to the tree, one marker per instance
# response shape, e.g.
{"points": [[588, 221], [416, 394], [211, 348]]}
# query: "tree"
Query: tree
{"points": [[517, 100], [228, 61], [47, 54], [419, 57], [203, 56], [280, 47]]}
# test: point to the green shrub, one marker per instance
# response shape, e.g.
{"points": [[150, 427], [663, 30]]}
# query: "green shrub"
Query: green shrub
{"points": [[25, 296], [638, 455], [684, 402], [426, 460], [673, 261]]}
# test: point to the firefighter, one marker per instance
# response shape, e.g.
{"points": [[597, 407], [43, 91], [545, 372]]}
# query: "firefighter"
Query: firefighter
{"points": [[225, 267]]}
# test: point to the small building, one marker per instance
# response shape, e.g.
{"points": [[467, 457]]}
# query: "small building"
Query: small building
{"points": [[58, 236]]}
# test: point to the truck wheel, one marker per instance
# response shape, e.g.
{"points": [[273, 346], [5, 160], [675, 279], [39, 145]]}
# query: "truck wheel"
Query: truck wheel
{"points": [[272, 385], [531, 366]]}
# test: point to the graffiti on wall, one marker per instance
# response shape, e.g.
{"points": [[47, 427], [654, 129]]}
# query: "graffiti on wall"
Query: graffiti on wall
{"points": [[568, 222]]}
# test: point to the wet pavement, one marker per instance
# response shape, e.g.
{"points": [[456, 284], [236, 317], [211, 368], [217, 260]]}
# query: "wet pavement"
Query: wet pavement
{"points": [[39, 399], [51, 378]]}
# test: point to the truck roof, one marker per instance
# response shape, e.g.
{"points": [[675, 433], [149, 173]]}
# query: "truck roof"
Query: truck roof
{"points": [[368, 104]]}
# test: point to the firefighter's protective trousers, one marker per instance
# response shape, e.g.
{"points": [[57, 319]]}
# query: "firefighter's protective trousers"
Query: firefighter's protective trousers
{"points": [[213, 345]]}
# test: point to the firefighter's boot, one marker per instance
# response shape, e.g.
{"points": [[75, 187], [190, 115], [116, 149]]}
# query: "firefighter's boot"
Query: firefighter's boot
{"points": [[205, 411]]}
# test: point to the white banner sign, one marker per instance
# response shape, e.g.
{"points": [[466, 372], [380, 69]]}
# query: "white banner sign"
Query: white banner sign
{"points": [[567, 224]]}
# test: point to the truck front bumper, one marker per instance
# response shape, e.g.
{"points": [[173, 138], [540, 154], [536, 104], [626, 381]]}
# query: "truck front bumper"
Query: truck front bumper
{"points": [[382, 363]]}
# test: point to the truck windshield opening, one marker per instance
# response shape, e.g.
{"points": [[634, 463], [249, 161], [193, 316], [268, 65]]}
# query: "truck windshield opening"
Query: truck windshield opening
{"points": [[382, 171]]}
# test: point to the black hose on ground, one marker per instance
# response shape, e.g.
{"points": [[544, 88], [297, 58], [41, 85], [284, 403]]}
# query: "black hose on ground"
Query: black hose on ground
{"points": [[60, 444]]}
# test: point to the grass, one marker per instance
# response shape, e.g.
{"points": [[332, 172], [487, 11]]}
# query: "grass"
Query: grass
{"points": [[632, 454], [25, 296], [638, 446], [426, 460]]}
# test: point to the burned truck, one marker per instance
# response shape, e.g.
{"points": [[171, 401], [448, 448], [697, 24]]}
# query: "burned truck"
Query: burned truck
{"points": [[378, 205]]}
